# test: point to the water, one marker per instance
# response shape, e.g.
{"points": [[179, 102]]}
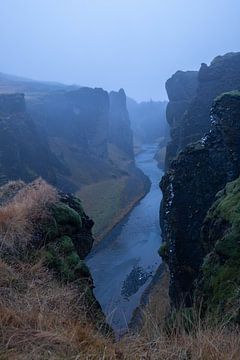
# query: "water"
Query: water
{"points": [[123, 264]]}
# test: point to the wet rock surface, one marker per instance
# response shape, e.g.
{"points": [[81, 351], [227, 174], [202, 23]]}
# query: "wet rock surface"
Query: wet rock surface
{"points": [[189, 189]]}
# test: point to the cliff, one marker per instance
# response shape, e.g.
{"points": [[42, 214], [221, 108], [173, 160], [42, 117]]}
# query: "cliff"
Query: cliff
{"points": [[25, 152], [222, 75], [191, 95], [89, 133], [181, 89], [120, 133], [189, 188]]}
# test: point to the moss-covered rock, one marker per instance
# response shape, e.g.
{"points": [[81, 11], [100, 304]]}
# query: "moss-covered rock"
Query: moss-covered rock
{"points": [[163, 251], [62, 257], [65, 215], [219, 283]]}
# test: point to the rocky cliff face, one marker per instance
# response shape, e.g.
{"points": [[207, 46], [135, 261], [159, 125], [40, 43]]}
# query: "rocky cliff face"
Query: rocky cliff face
{"points": [[120, 133], [24, 151], [80, 125], [80, 117], [181, 89], [222, 75], [89, 132], [189, 187], [191, 95]]}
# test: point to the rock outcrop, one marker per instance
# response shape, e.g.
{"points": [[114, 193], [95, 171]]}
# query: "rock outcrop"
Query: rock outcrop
{"points": [[191, 95], [80, 125], [120, 133], [222, 75], [189, 188], [24, 151], [181, 89]]}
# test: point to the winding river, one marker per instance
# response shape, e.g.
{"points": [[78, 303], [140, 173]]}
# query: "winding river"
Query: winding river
{"points": [[123, 264]]}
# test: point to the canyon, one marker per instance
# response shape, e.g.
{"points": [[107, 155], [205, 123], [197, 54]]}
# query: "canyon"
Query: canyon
{"points": [[113, 248]]}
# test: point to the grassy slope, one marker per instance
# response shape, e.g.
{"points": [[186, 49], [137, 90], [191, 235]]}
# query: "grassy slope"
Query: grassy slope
{"points": [[109, 200]]}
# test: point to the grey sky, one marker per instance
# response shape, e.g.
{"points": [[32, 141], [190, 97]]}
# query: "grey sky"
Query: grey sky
{"points": [[134, 44]]}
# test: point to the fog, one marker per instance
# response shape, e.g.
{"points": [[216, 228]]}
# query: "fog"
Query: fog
{"points": [[134, 44]]}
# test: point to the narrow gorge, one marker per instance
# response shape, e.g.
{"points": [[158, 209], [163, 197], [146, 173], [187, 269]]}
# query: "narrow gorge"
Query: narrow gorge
{"points": [[119, 216]]}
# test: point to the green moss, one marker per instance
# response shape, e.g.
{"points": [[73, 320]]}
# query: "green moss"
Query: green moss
{"points": [[78, 206], [64, 215], [163, 251], [64, 260], [221, 268], [50, 229], [66, 245], [234, 93]]}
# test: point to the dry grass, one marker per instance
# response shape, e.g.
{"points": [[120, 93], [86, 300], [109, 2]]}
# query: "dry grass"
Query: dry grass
{"points": [[42, 319], [28, 207], [206, 344], [183, 338]]}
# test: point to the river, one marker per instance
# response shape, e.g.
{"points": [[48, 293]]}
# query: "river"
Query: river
{"points": [[123, 264]]}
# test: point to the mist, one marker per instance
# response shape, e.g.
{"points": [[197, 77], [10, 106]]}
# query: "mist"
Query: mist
{"points": [[135, 45]]}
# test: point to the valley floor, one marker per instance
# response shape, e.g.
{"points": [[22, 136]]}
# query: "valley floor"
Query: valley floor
{"points": [[109, 201]]}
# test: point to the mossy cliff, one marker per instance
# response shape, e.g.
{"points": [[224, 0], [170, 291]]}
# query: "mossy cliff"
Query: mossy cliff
{"points": [[189, 188], [219, 280]]}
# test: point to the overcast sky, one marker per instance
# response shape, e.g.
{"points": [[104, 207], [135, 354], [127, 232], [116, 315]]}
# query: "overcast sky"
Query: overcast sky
{"points": [[134, 44]]}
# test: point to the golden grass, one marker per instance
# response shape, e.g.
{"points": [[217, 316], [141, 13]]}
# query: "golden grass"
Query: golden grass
{"points": [[181, 336], [42, 319], [28, 207], [204, 341]]}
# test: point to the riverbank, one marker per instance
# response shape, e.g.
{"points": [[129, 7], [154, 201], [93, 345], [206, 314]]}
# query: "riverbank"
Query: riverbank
{"points": [[110, 201]]}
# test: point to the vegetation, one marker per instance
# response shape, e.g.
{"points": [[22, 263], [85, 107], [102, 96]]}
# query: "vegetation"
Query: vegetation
{"points": [[46, 303], [220, 282]]}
